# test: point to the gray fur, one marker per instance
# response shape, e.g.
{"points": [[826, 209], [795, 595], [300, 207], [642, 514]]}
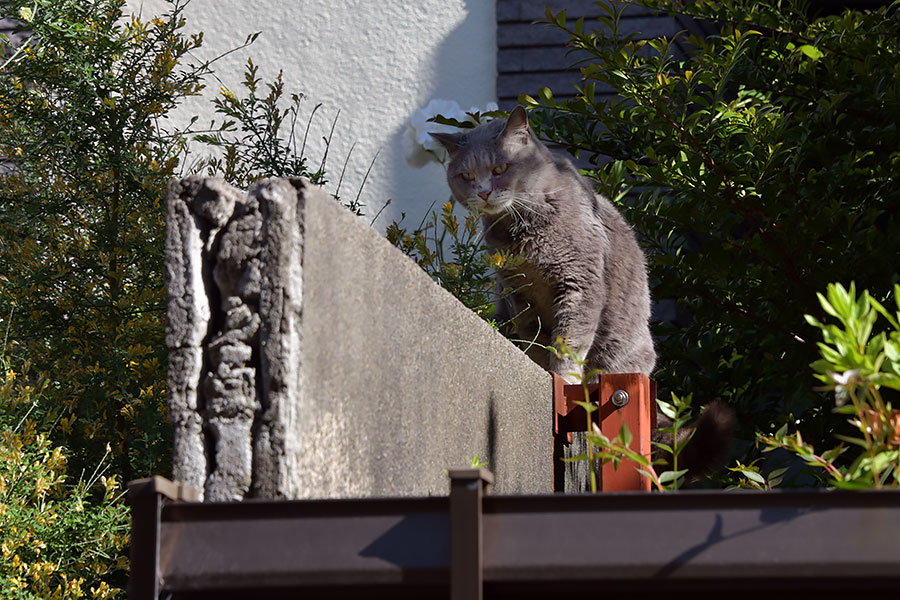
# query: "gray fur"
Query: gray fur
{"points": [[583, 278]]}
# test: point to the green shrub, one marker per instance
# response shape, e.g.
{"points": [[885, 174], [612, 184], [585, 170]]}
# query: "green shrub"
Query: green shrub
{"points": [[858, 365], [454, 255], [86, 153], [86, 158], [58, 539], [257, 137], [757, 166], [83, 104]]}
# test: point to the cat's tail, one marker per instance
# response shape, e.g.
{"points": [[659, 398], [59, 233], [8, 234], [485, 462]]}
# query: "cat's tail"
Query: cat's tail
{"points": [[705, 452]]}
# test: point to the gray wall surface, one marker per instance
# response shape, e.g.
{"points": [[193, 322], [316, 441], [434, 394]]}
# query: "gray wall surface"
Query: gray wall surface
{"points": [[309, 358]]}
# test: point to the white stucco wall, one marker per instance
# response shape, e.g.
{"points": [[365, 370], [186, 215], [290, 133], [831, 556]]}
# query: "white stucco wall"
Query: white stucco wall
{"points": [[375, 61]]}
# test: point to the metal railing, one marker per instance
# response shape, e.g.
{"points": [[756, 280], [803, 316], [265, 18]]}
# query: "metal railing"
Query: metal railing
{"points": [[470, 545]]}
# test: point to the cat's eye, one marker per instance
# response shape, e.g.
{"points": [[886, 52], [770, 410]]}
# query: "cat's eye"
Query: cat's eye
{"points": [[468, 176], [501, 169]]}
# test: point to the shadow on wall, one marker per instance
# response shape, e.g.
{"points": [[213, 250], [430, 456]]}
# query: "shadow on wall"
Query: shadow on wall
{"points": [[461, 68]]}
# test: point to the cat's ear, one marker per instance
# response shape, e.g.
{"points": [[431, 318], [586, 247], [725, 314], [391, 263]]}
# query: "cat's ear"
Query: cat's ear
{"points": [[450, 141], [517, 126]]}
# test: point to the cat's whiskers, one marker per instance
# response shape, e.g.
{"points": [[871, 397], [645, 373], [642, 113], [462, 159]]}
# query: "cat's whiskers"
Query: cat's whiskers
{"points": [[542, 195], [514, 213], [522, 201], [524, 204]]}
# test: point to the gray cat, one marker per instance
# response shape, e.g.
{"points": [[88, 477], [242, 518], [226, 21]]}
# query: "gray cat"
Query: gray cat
{"points": [[583, 277]]}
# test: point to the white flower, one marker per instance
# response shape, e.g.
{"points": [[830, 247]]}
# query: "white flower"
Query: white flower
{"points": [[421, 148], [489, 107], [844, 381]]}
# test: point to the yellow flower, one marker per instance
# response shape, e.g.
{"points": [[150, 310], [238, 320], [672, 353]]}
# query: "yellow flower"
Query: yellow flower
{"points": [[101, 591], [66, 424], [229, 95], [495, 259]]}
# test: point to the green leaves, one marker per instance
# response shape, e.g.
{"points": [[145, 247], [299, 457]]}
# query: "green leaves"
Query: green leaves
{"points": [[454, 255], [855, 364], [673, 479], [559, 18], [811, 51], [61, 534], [82, 112], [678, 413], [752, 476], [850, 352], [257, 136], [757, 166]]}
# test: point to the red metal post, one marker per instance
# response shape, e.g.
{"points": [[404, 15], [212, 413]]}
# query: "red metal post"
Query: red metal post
{"points": [[635, 414], [622, 398]]}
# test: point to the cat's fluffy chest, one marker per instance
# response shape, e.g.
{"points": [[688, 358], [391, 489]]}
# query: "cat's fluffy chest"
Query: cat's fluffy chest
{"points": [[550, 259], [530, 294]]}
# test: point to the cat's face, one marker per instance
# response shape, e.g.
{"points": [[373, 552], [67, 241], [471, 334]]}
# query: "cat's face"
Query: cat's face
{"points": [[489, 164]]}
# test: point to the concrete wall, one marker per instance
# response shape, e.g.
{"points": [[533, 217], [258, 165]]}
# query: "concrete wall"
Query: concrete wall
{"points": [[310, 358], [375, 61]]}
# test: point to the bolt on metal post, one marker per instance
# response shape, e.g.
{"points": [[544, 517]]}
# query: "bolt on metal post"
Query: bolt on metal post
{"points": [[619, 398]]}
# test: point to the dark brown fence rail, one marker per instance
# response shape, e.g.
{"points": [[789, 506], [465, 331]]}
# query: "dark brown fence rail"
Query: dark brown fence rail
{"points": [[831, 544]]}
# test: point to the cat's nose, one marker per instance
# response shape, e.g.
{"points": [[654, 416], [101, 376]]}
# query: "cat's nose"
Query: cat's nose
{"points": [[484, 195]]}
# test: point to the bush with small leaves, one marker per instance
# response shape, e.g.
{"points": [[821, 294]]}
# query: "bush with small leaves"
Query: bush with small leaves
{"points": [[757, 163], [258, 137], [83, 106], [455, 256], [58, 539], [860, 367]]}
